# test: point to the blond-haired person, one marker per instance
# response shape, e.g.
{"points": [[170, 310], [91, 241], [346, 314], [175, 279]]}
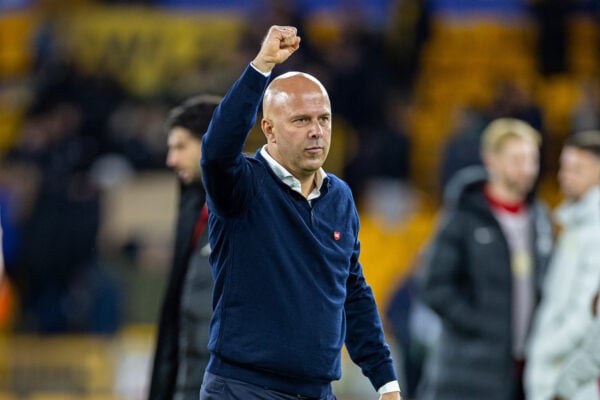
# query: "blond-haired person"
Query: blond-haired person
{"points": [[483, 269]]}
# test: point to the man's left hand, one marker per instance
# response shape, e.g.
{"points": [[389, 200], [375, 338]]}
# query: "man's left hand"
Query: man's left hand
{"points": [[390, 396]]}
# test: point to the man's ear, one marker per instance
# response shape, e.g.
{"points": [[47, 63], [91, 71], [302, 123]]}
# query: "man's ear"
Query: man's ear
{"points": [[267, 128]]}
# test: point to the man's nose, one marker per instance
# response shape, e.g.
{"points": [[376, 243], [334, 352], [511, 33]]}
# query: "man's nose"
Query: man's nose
{"points": [[170, 161], [316, 130]]}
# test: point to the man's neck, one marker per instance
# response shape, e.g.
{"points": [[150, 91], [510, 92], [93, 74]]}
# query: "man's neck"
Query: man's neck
{"points": [[307, 185]]}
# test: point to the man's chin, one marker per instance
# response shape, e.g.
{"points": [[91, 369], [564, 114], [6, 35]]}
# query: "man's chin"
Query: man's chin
{"points": [[569, 195], [314, 165], [524, 191]]}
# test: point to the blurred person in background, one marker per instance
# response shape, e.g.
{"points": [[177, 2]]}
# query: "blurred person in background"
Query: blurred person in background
{"points": [[19, 183], [583, 367], [3, 288], [289, 288], [415, 328], [1, 249], [181, 351], [483, 269], [6, 295], [62, 284], [564, 317]]}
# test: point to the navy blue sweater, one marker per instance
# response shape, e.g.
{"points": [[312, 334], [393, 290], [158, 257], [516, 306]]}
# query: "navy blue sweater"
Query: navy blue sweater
{"points": [[289, 290]]}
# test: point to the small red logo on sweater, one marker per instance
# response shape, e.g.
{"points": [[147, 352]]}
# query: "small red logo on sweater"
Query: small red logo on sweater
{"points": [[336, 235]]}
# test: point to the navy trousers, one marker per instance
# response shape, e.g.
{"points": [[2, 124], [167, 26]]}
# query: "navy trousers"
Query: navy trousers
{"points": [[216, 387]]}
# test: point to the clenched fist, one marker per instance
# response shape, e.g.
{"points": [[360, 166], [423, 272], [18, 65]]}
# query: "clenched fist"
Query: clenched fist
{"points": [[278, 45]]}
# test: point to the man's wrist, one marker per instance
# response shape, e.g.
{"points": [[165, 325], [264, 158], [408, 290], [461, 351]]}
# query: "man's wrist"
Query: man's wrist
{"points": [[262, 69]]}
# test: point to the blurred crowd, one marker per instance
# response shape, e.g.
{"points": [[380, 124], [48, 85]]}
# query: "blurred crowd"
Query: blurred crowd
{"points": [[82, 131]]}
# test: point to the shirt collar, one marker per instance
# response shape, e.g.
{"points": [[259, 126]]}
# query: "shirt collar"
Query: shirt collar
{"points": [[289, 179]]}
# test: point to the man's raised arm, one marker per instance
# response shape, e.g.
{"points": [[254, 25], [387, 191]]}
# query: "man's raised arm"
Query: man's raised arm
{"points": [[222, 145]]}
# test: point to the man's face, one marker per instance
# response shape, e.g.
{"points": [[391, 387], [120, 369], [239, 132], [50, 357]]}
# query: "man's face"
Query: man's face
{"points": [[579, 172], [515, 165], [184, 152], [298, 128]]}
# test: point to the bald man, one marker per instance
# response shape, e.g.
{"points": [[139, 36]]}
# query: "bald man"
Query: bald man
{"points": [[289, 289]]}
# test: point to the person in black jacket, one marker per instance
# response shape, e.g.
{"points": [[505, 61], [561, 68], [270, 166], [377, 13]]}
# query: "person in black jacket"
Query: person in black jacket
{"points": [[181, 351], [483, 270]]}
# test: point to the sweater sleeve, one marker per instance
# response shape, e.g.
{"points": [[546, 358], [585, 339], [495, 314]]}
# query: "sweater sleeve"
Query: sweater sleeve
{"points": [[224, 167], [365, 340]]}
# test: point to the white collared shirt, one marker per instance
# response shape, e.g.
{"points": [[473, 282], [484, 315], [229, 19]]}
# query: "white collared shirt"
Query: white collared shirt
{"points": [[290, 180]]}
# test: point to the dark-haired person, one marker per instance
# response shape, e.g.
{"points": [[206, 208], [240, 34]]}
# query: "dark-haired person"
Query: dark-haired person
{"points": [[181, 351], [564, 318]]}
